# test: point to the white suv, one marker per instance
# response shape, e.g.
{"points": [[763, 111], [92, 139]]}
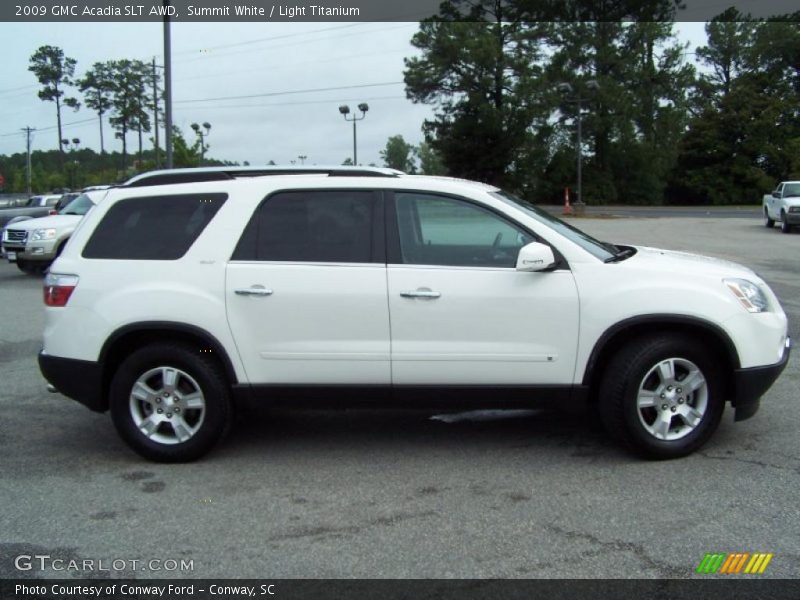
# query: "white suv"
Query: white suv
{"points": [[331, 287]]}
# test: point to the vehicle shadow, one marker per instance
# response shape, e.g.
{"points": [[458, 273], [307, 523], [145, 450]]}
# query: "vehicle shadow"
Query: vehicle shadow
{"points": [[383, 431]]}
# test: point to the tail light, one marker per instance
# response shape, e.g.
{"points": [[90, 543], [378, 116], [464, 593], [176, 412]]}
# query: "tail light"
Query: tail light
{"points": [[58, 288], [52, 212]]}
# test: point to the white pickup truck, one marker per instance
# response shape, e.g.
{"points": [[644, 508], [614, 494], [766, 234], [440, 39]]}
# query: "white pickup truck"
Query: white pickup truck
{"points": [[783, 205]]}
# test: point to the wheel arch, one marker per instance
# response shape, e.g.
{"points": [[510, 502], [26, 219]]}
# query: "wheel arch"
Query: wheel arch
{"points": [[620, 333], [136, 335]]}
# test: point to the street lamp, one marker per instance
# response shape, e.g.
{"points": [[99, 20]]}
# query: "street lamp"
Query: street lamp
{"points": [[567, 91], [72, 166], [345, 110], [302, 158], [72, 144], [202, 136]]}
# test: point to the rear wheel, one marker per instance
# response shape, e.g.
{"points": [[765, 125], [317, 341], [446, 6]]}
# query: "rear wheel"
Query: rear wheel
{"points": [[661, 396], [170, 403], [769, 223]]}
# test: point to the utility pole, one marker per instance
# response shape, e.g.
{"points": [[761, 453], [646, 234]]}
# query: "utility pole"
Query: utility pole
{"points": [[155, 108], [167, 88], [28, 131]]}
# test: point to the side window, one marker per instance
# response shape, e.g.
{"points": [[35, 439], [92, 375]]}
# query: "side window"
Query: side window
{"points": [[153, 227], [444, 231], [313, 226]]}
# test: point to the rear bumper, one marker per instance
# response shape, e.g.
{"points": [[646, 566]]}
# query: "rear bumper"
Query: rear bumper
{"points": [[750, 384], [81, 380]]}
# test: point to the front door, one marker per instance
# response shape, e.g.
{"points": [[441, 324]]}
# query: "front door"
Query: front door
{"points": [[460, 312]]}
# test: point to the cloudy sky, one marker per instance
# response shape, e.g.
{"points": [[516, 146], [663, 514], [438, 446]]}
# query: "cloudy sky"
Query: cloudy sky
{"points": [[216, 66]]}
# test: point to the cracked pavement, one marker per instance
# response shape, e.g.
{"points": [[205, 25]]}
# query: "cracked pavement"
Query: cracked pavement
{"points": [[395, 494]]}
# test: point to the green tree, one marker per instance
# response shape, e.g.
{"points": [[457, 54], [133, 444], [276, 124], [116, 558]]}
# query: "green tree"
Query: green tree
{"points": [[129, 101], [634, 115], [430, 163], [183, 154], [398, 154], [483, 77], [54, 71], [97, 86], [745, 128], [348, 162]]}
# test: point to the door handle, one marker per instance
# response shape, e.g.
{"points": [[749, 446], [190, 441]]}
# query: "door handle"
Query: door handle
{"points": [[252, 291], [421, 294]]}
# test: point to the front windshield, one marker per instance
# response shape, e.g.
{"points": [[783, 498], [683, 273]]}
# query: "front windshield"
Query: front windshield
{"points": [[79, 206], [791, 189], [598, 249]]}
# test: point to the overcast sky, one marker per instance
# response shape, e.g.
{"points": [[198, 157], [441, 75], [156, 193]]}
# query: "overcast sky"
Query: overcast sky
{"points": [[226, 60]]}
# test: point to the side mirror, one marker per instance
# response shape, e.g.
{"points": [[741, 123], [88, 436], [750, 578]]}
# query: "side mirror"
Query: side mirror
{"points": [[535, 257], [776, 194]]}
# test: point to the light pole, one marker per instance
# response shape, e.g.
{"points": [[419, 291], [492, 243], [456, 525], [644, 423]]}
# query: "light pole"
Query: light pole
{"points": [[302, 158], [71, 146], [345, 110], [567, 90], [202, 136]]}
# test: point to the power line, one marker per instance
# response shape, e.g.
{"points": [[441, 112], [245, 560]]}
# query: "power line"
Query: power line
{"points": [[301, 43], [286, 93], [306, 102], [269, 38]]}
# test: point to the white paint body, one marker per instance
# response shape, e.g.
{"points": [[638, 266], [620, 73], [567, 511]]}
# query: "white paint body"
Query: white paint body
{"points": [[348, 323]]}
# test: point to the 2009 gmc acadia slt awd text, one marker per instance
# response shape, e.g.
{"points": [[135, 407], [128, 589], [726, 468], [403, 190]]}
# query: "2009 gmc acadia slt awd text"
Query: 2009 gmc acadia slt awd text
{"points": [[185, 292]]}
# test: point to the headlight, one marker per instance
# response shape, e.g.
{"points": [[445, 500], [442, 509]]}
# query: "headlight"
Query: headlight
{"points": [[43, 234], [748, 294], [794, 209]]}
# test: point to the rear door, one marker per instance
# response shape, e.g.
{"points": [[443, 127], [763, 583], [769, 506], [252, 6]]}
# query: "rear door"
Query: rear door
{"points": [[306, 290]]}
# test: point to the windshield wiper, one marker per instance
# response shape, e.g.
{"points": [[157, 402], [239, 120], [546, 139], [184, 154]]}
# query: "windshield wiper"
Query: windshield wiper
{"points": [[621, 255]]}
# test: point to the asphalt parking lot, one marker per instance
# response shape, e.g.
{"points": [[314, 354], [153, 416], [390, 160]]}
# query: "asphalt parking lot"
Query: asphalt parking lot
{"points": [[398, 495]]}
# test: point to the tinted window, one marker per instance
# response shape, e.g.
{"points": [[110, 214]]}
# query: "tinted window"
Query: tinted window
{"points": [[152, 228], [312, 226], [444, 231]]}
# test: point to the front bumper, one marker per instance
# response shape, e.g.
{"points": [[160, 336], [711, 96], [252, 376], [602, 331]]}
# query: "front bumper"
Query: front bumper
{"points": [[81, 380], [750, 384], [33, 251], [793, 217]]}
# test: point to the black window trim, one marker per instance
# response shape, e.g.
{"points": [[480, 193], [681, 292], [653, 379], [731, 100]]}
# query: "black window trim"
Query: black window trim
{"points": [[394, 255], [378, 246]]}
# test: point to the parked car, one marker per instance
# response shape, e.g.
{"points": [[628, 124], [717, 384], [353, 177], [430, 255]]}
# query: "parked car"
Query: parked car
{"points": [[783, 205], [174, 302], [34, 244], [36, 206]]}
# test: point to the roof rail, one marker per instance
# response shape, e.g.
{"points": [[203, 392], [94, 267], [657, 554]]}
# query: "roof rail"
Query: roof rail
{"points": [[200, 174]]}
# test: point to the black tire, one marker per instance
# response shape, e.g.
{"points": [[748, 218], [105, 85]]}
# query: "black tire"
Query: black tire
{"points": [[634, 366], [785, 227], [770, 223], [30, 268], [195, 370]]}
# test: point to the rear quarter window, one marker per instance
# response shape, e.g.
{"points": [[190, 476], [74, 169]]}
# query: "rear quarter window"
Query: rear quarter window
{"points": [[152, 227]]}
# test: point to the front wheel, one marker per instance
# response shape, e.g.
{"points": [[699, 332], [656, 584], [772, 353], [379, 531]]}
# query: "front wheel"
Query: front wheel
{"points": [[31, 268], [785, 227], [169, 402], [661, 396], [768, 222]]}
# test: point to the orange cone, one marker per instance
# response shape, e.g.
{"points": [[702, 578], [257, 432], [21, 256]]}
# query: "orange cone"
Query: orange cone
{"points": [[567, 207]]}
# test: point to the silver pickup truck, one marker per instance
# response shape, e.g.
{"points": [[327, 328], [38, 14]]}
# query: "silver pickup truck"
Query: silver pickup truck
{"points": [[36, 206]]}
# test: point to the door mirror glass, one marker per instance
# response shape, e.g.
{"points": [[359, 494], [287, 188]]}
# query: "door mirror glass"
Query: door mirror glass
{"points": [[776, 194], [535, 257]]}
